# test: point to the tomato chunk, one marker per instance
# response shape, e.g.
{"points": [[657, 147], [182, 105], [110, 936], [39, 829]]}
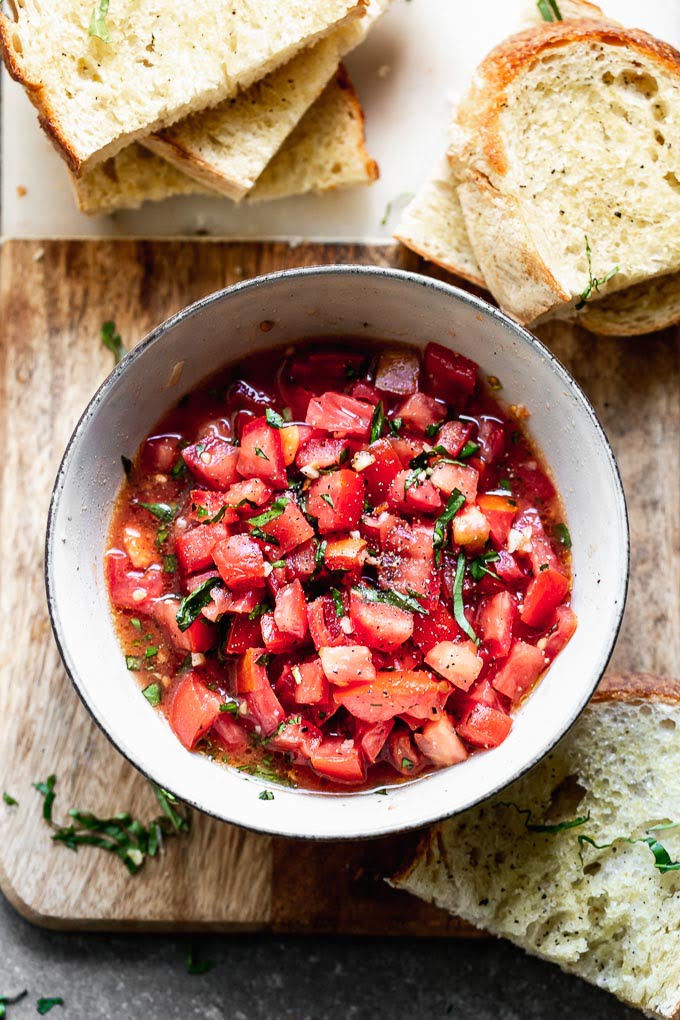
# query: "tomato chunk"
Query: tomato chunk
{"points": [[346, 554], [520, 670], [542, 597], [398, 372], [290, 611], [379, 466], [371, 737], [561, 633], [496, 620], [379, 625], [403, 753], [213, 461], [244, 634], [483, 726], [200, 636], [192, 709], [500, 512], [251, 674], [318, 454], [288, 530], [261, 454], [447, 477], [324, 625], [440, 743], [132, 589], [265, 709], [240, 562], [421, 411], [337, 501], [311, 686], [457, 662], [347, 664], [336, 412], [449, 376], [339, 760], [437, 625], [393, 693], [195, 546]]}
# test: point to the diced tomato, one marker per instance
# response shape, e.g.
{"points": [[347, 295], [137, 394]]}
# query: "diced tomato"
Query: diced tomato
{"points": [[160, 453], [440, 743], [301, 562], [319, 454], [139, 544], [398, 372], [449, 375], [453, 435], [520, 671], [402, 752], [290, 611], [496, 620], [437, 625], [339, 760], [483, 726], [310, 373], [379, 625], [324, 625], [195, 546], [509, 570], [419, 411], [230, 733], [297, 737], [251, 674], [243, 635], [393, 693], [288, 530], [500, 511], [542, 597], [557, 638], [371, 737], [407, 562], [245, 495], [540, 550], [291, 437], [347, 664], [192, 709], [213, 462], [381, 471], [420, 498], [406, 448], [261, 454], [200, 636], [491, 436], [536, 480], [363, 390], [457, 662], [132, 589], [265, 708], [310, 684], [206, 504], [336, 412], [337, 501], [447, 477], [346, 554], [231, 602], [276, 640], [470, 528], [240, 562]]}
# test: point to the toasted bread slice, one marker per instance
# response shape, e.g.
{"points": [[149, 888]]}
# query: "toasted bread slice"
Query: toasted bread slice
{"points": [[95, 97], [227, 147], [613, 918], [326, 150], [572, 132]]}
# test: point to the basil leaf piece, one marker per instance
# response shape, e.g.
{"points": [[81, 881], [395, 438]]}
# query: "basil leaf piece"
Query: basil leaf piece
{"points": [[110, 339], [167, 802], [549, 10], [260, 609], [197, 966], [594, 282], [266, 795], [274, 511], [662, 859], [165, 512], [433, 428], [153, 693], [458, 607], [98, 28], [230, 707], [407, 601], [10, 1000], [191, 605], [260, 453], [454, 503], [478, 566], [47, 791], [327, 498], [9, 800], [274, 419], [134, 663], [562, 533], [377, 422], [170, 564], [544, 827], [264, 659], [468, 449], [338, 603], [45, 1004]]}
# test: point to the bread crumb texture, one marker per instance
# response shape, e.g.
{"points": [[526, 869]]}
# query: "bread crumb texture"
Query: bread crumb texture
{"points": [[615, 920]]}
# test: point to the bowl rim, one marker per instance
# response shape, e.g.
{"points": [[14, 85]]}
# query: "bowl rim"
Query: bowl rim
{"points": [[337, 269]]}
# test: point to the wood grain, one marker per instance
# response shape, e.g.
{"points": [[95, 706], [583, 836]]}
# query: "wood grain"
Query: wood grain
{"points": [[55, 295]]}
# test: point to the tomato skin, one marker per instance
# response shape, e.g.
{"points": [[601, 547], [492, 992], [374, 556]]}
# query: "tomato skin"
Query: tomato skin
{"points": [[312, 687], [159, 453], [336, 412], [496, 621], [398, 372], [126, 585], [243, 635], [500, 511], [438, 625], [449, 376], [419, 411], [213, 462], [346, 554], [542, 597], [337, 501], [447, 477], [491, 436], [379, 625], [340, 761], [347, 664], [393, 693], [195, 546], [240, 562], [289, 530], [440, 743], [520, 671], [483, 726], [265, 709], [290, 610], [402, 752], [565, 626], [371, 737], [231, 602], [192, 709], [457, 662], [291, 438], [230, 733], [261, 454], [324, 626], [379, 475]]}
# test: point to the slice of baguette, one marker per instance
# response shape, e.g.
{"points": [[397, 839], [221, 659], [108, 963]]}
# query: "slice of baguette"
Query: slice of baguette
{"points": [[227, 147], [162, 63], [615, 920], [573, 129], [326, 150]]}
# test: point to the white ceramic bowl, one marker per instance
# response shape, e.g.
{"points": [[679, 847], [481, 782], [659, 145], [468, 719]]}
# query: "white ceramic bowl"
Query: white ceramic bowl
{"points": [[330, 301]]}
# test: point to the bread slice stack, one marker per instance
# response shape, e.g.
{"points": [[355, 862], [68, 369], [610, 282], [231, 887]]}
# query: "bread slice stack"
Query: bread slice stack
{"points": [[577, 862], [152, 100], [560, 191]]}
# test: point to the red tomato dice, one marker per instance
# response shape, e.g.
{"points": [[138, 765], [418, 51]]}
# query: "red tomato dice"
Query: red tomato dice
{"points": [[301, 562], [336, 412], [132, 589], [192, 709], [251, 673], [337, 501], [195, 546], [244, 634], [491, 436], [447, 477], [276, 640], [562, 631], [261, 454], [246, 495], [371, 737], [347, 664], [265, 709], [159, 453], [398, 372], [339, 760], [231, 734], [437, 625], [289, 530], [453, 435], [380, 471], [449, 375], [393, 693], [206, 504], [346, 554], [500, 512], [440, 743], [402, 752], [407, 563], [213, 461], [457, 662], [200, 636], [420, 411], [324, 625], [483, 726], [310, 684], [421, 498], [240, 562], [379, 625], [542, 597], [298, 738], [317, 454], [496, 620], [520, 671], [290, 611]]}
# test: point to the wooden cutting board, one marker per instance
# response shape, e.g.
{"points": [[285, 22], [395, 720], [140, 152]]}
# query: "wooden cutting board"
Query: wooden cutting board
{"points": [[55, 296]]}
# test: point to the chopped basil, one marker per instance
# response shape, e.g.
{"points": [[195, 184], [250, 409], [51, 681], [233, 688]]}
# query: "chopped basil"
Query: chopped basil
{"points": [[395, 425], [231, 707], [266, 795], [151, 651], [562, 533], [127, 466], [264, 659], [383, 791], [161, 537], [458, 606], [218, 516], [548, 828], [134, 622], [407, 601], [549, 10], [478, 567], [594, 282], [505, 485], [264, 536], [197, 966], [543, 566], [433, 428], [275, 510], [274, 419], [47, 791], [9, 800], [110, 339], [170, 564], [191, 605], [10, 1000], [327, 498], [260, 453], [168, 805], [134, 662], [319, 554], [377, 422], [165, 512], [179, 467], [277, 564], [515, 437], [454, 503], [46, 1003], [260, 609], [153, 694], [468, 449], [662, 859], [406, 763], [337, 602]]}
